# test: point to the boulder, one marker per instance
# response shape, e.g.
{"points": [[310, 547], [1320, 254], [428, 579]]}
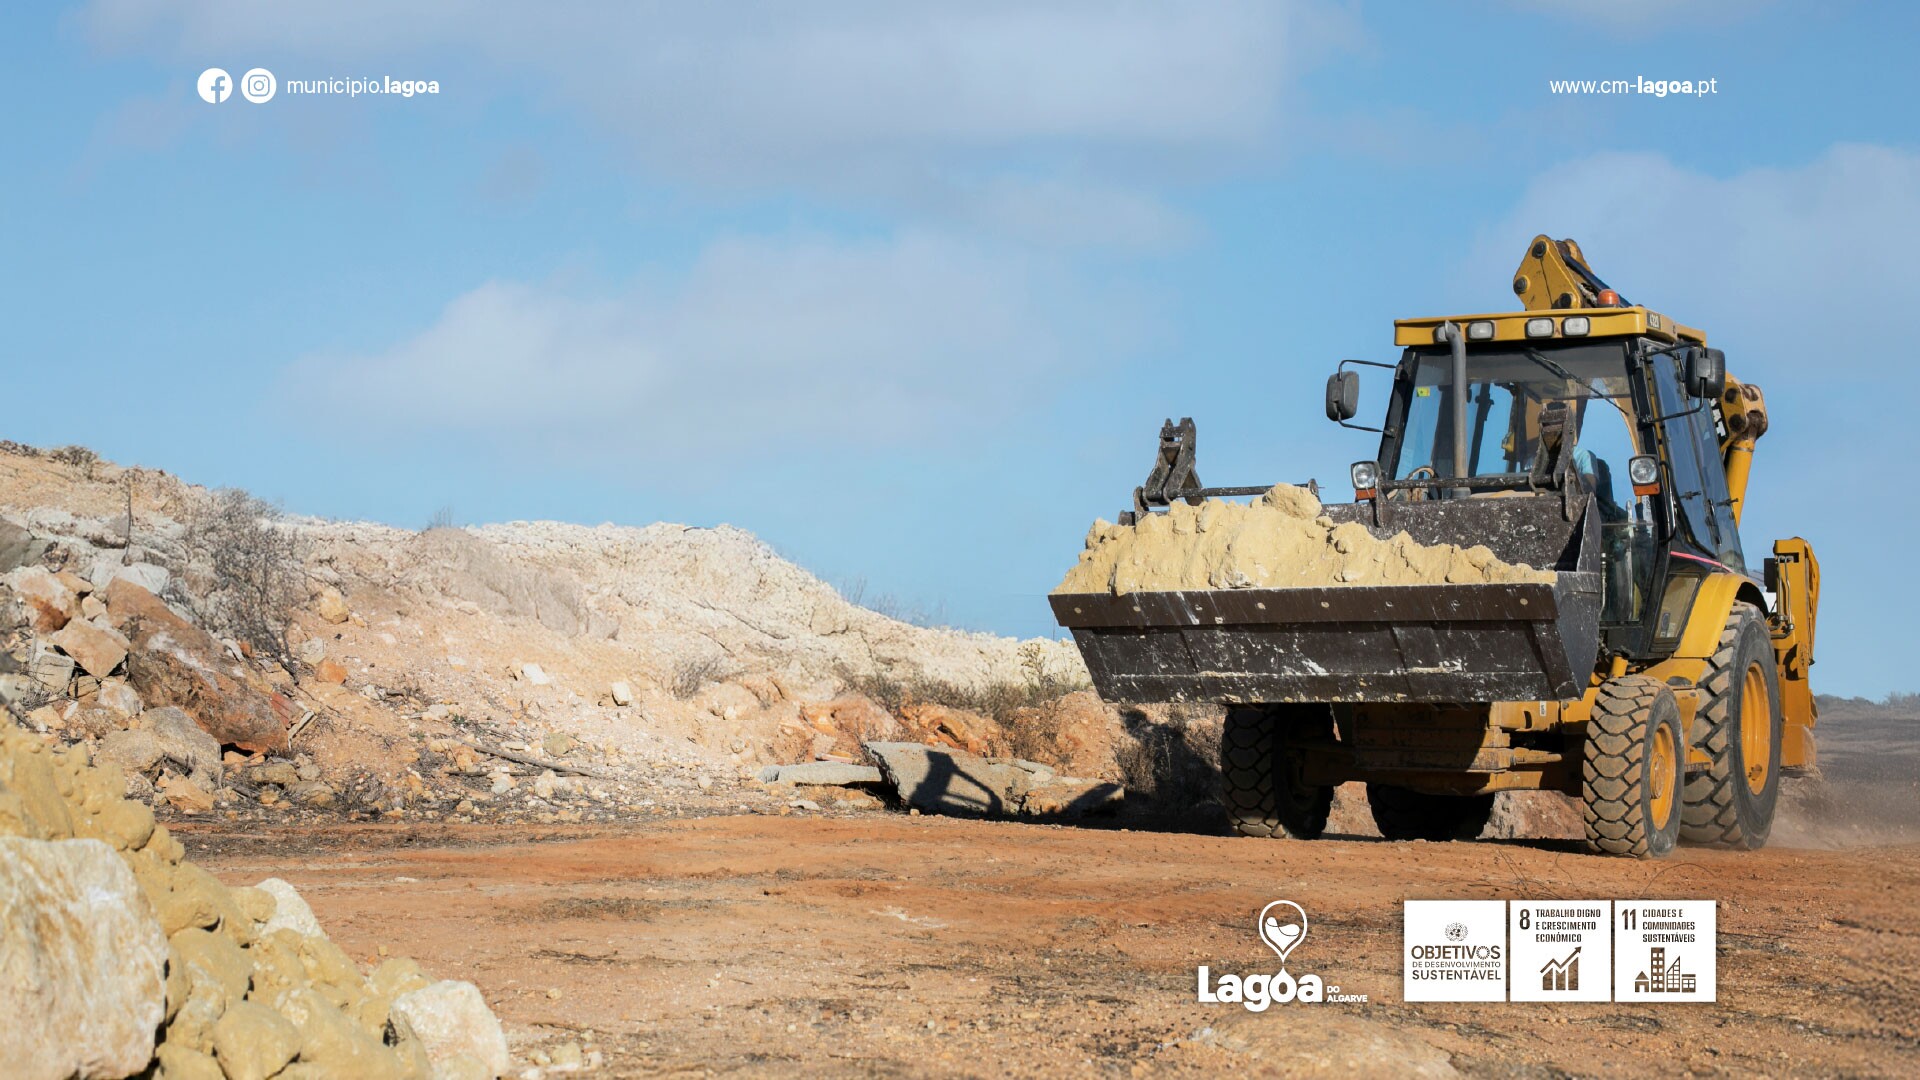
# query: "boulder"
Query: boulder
{"points": [[311, 651], [98, 651], [622, 693], [315, 793], [18, 547], [185, 796], [186, 744], [943, 780], [535, 675], [958, 728], [173, 662], [330, 671], [94, 719], [821, 773], [290, 910], [252, 1042], [152, 578], [82, 962], [134, 752], [332, 606], [14, 688], [452, 1024], [50, 667], [115, 694], [50, 602]]}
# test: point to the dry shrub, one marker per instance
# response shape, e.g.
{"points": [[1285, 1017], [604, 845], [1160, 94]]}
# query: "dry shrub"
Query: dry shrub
{"points": [[692, 674], [245, 572], [1027, 710], [1172, 756]]}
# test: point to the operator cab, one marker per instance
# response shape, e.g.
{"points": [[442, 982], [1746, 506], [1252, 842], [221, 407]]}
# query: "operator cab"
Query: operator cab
{"points": [[1633, 397]]}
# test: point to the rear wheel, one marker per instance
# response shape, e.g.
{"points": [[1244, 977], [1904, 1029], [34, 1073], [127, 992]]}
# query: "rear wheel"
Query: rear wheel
{"points": [[1731, 802], [1630, 771], [1260, 779], [1404, 814]]}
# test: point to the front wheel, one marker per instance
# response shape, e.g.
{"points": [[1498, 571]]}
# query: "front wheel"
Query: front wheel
{"points": [[1260, 782], [1630, 770]]}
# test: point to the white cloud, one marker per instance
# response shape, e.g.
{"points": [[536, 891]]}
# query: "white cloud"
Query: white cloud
{"points": [[1038, 104], [766, 346], [734, 86], [1793, 267]]}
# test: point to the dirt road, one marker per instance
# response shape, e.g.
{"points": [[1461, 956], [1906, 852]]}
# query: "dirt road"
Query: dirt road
{"points": [[890, 945]]}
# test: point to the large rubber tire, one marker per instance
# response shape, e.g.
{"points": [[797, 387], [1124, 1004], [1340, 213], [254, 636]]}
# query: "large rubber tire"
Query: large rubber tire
{"points": [[1259, 782], [1731, 802], [1404, 814], [1632, 769]]}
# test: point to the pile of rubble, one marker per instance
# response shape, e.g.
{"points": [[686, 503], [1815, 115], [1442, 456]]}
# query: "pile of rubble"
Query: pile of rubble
{"points": [[120, 956]]}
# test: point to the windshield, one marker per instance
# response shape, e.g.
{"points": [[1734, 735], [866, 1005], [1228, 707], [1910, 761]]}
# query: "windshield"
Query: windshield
{"points": [[1507, 389]]}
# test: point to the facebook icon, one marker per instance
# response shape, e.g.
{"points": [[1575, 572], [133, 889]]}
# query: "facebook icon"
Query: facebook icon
{"points": [[215, 85]]}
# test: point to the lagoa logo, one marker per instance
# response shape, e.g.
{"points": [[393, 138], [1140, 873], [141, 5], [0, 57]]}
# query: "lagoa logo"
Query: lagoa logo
{"points": [[1283, 926]]}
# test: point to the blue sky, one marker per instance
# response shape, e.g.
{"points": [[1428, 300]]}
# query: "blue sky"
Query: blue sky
{"points": [[906, 289]]}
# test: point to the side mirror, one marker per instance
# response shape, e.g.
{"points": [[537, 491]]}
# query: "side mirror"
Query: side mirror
{"points": [[1706, 372], [1343, 395]]}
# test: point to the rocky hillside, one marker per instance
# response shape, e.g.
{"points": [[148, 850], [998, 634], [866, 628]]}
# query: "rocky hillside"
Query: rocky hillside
{"points": [[351, 665]]}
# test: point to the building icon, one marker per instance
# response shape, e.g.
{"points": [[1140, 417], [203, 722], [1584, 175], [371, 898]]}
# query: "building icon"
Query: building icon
{"points": [[1562, 974], [1663, 978]]}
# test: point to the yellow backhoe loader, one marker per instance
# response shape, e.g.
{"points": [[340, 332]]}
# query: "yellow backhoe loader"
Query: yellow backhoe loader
{"points": [[1656, 679]]}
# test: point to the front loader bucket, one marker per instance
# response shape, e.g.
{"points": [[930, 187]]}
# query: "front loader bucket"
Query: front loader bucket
{"points": [[1431, 643]]}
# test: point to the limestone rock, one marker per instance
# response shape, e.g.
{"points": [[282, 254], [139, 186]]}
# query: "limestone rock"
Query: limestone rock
{"points": [[18, 547], [252, 1042], [179, 664], [50, 602], [183, 742], [453, 1025], [290, 910], [958, 728], [622, 693], [97, 651], [49, 667], [135, 751], [315, 793], [115, 694], [82, 962], [146, 575], [185, 796], [947, 781], [332, 606], [822, 773]]}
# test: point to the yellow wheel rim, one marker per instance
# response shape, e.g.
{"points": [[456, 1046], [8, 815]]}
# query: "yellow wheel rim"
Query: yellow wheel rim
{"points": [[1756, 727], [1663, 759]]}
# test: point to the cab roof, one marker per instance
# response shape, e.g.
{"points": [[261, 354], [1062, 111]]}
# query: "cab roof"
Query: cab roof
{"points": [[1633, 321]]}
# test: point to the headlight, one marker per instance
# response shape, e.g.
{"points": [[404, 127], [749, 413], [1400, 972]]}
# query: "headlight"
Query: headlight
{"points": [[1644, 472], [1575, 326], [1365, 475], [1480, 330], [1539, 327]]}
